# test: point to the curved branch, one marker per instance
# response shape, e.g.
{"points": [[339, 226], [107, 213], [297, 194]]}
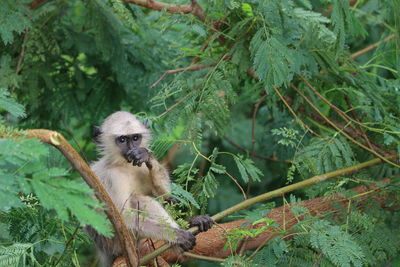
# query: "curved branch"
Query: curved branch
{"points": [[57, 140]]}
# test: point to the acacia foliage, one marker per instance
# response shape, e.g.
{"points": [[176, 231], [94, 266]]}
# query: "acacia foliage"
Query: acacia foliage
{"points": [[70, 63]]}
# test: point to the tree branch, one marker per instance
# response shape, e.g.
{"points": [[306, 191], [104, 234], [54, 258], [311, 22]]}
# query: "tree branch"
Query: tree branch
{"points": [[275, 193], [341, 130], [58, 141], [189, 68], [371, 47], [194, 8], [212, 242]]}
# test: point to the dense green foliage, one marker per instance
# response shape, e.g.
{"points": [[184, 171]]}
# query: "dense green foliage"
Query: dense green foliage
{"points": [[275, 98]]}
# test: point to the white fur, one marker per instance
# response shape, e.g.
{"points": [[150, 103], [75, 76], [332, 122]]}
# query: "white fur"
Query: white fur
{"points": [[131, 187]]}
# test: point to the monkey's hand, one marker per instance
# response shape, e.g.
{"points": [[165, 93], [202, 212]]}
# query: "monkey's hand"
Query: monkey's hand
{"points": [[185, 241], [204, 222], [138, 155]]}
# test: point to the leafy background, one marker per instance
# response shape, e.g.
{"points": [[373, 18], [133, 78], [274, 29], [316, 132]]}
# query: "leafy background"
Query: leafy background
{"points": [[66, 65]]}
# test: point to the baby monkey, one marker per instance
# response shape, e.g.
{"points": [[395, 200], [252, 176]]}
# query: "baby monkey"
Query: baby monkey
{"points": [[132, 177]]}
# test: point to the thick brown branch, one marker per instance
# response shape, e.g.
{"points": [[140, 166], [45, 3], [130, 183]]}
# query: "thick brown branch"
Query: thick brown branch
{"points": [[211, 243], [275, 193], [194, 8], [57, 140]]}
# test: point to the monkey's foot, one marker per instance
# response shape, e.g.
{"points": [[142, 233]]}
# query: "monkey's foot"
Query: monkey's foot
{"points": [[204, 222], [185, 241]]}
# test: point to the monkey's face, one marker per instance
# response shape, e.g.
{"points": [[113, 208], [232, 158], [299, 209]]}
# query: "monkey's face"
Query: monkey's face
{"points": [[132, 151], [128, 142], [122, 137]]}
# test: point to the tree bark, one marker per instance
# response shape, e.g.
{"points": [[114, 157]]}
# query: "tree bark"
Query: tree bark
{"points": [[212, 242]]}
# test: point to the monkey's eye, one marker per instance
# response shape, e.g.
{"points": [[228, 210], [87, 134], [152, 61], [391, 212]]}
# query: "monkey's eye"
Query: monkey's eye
{"points": [[121, 139], [135, 137]]}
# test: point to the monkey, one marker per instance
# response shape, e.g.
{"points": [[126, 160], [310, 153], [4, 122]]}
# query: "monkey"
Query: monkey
{"points": [[133, 178]]}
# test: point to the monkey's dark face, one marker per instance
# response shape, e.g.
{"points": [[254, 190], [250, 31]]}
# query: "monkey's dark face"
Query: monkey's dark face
{"points": [[128, 142], [131, 150]]}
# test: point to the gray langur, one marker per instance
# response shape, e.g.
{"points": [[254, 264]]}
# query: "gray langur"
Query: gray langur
{"points": [[132, 177]]}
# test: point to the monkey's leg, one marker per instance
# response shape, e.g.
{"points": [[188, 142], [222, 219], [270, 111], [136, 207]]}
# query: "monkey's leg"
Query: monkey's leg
{"points": [[149, 219]]}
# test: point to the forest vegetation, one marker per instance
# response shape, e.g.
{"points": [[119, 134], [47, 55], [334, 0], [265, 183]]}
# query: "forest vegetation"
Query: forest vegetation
{"points": [[278, 118]]}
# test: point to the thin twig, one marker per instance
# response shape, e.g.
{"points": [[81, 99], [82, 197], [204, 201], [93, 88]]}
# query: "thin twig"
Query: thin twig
{"points": [[173, 106], [367, 141], [200, 257], [341, 130], [22, 54], [67, 244], [294, 114], [371, 47], [253, 138], [341, 113], [255, 154], [237, 184], [253, 122], [194, 67]]}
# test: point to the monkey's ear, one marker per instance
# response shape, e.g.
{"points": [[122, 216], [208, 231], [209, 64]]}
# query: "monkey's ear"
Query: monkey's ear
{"points": [[96, 134], [146, 123]]}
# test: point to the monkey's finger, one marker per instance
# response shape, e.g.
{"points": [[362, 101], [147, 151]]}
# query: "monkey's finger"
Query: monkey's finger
{"points": [[149, 165], [210, 224], [201, 227], [129, 157], [135, 162]]}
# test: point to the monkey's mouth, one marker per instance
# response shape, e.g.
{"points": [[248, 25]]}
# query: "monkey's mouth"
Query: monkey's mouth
{"points": [[128, 155], [137, 156]]}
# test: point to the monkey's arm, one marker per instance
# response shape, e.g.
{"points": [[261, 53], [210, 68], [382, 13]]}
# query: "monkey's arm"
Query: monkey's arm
{"points": [[149, 219], [160, 178], [158, 174]]}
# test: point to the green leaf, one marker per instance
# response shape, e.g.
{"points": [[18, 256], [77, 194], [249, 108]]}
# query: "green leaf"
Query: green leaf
{"points": [[220, 169], [14, 17], [183, 196], [210, 185], [14, 255], [337, 245], [8, 192], [271, 59], [10, 105], [66, 196], [246, 168]]}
